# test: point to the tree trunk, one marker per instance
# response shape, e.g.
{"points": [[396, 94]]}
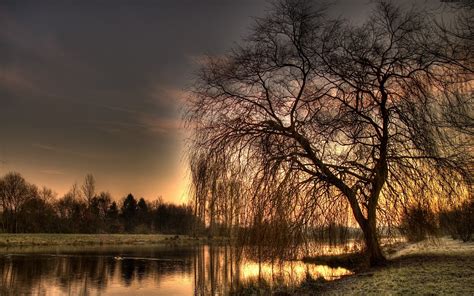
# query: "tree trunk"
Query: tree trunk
{"points": [[369, 228], [374, 252]]}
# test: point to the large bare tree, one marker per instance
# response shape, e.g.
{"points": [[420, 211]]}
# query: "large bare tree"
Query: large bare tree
{"points": [[309, 112]]}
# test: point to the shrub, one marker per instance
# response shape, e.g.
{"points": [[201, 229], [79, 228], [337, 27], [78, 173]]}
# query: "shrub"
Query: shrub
{"points": [[459, 222], [418, 222]]}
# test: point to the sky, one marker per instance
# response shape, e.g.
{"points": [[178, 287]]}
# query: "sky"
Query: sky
{"points": [[97, 86]]}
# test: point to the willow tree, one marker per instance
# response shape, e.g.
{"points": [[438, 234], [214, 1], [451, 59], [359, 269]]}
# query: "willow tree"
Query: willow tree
{"points": [[311, 111]]}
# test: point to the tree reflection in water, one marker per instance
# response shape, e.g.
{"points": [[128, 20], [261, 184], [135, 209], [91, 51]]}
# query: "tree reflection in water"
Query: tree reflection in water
{"points": [[149, 270]]}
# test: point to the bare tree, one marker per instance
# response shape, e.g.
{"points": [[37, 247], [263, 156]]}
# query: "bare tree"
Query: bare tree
{"points": [[14, 193], [88, 188], [309, 112], [47, 195]]}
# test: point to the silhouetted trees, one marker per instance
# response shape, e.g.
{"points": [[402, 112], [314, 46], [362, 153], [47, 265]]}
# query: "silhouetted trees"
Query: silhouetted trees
{"points": [[98, 209], [129, 213], [38, 215], [24, 208], [143, 215], [113, 216], [418, 222], [15, 193], [88, 188], [170, 218], [459, 221]]}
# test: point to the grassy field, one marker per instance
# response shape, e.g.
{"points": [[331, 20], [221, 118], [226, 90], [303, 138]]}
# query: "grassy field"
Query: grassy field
{"points": [[438, 267], [17, 240]]}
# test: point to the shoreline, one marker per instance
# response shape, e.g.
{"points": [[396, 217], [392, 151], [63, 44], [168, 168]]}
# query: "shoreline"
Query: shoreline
{"points": [[8, 240], [431, 267]]}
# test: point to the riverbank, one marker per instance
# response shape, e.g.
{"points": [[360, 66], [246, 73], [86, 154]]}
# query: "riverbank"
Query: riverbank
{"points": [[434, 267], [28, 239]]}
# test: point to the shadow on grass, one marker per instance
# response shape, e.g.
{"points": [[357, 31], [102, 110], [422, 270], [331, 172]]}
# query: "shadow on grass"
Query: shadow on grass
{"points": [[262, 287]]}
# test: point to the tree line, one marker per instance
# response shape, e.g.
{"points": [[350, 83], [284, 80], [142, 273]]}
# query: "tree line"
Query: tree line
{"points": [[420, 221], [24, 207]]}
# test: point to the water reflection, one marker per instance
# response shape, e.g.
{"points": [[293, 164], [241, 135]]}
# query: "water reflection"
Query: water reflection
{"points": [[143, 270]]}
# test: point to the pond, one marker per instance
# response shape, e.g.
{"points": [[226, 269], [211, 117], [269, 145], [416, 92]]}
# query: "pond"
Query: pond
{"points": [[143, 270]]}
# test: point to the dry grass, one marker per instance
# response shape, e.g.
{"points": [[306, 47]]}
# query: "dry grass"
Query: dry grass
{"points": [[18, 240]]}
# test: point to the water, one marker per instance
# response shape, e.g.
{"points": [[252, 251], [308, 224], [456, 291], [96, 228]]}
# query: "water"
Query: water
{"points": [[143, 270]]}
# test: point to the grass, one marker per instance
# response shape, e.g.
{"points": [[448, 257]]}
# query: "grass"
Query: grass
{"points": [[21, 240], [438, 267]]}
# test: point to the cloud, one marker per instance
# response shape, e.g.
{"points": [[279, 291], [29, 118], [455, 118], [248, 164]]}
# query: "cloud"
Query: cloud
{"points": [[155, 124], [24, 38], [169, 97], [16, 80], [52, 172], [44, 147], [203, 60], [61, 150], [143, 122], [121, 109], [140, 121], [36, 61], [116, 127]]}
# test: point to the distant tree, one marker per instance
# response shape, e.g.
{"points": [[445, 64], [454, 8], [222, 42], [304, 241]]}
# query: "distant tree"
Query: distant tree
{"points": [[47, 195], [113, 211], [38, 215], [142, 205], [88, 188], [310, 111], [15, 192], [129, 212], [25, 208], [418, 222], [173, 219], [143, 214], [459, 221], [102, 202], [64, 204], [113, 215], [72, 211], [98, 211]]}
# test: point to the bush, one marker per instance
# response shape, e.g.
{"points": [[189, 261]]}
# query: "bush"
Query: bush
{"points": [[418, 222], [459, 222]]}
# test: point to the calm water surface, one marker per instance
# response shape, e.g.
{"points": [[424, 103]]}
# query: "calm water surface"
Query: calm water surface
{"points": [[142, 270]]}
